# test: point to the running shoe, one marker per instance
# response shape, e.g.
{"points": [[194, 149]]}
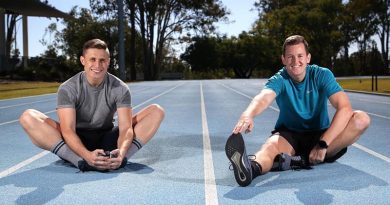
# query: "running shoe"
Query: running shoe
{"points": [[236, 153], [84, 166], [284, 162], [336, 156]]}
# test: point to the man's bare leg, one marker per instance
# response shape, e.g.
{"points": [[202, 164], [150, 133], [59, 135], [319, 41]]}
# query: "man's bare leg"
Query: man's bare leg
{"points": [[355, 127], [43, 131], [146, 123], [46, 134], [274, 145]]}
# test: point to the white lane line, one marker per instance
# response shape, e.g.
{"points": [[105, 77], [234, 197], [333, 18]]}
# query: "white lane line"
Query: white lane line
{"points": [[12, 121], [245, 95], [379, 102], [39, 155], [381, 116], [167, 91], [16, 105], [210, 187], [361, 147], [27, 97], [161, 94], [22, 164], [369, 151]]}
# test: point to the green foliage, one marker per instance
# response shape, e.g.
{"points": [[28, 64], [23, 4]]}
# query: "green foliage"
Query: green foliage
{"points": [[242, 56], [328, 25], [211, 74]]}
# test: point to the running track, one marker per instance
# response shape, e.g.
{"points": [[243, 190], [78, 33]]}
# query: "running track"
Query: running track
{"points": [[185, 162]]}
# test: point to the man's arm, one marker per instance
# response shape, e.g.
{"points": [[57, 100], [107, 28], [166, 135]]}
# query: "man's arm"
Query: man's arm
{"points": [[126, 132], [340, 120], [259, 103], [67, 117]]}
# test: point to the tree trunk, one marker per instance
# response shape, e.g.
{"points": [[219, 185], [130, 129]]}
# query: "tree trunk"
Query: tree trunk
{"points": [[10, 33], [133, 71], [144, 39]]}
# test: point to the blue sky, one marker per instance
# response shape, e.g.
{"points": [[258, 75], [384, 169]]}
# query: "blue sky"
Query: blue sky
{"points": [[241, 19]]}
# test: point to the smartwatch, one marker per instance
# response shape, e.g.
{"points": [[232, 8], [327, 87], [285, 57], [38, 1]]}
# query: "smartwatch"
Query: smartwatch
{"points": [[322, 144]]}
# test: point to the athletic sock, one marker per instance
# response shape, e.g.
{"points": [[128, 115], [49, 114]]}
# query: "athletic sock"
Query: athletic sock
{"points": [[256, 169], [135, 146], [64, 152]]}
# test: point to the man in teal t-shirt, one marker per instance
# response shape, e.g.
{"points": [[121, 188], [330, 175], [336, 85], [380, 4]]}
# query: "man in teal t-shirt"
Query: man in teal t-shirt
{"points": [[303, 133]]}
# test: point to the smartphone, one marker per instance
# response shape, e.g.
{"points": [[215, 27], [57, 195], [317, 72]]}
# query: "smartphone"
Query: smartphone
{"points": [[106, 154], [112, 155]]}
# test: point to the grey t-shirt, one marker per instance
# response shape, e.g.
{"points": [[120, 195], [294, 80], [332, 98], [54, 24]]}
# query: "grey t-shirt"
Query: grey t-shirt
{"points": [[95, 106]]}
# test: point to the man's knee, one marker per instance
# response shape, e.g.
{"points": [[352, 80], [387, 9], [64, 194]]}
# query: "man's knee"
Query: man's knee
{"points": [[361, 120], [27, 117], [271, 146], [157, 110]]}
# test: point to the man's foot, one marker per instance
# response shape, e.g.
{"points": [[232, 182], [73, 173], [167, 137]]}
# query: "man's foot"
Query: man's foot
{"points": [[284, 162], [124, 163], [85, 167], [236, 153], [336, 156]]}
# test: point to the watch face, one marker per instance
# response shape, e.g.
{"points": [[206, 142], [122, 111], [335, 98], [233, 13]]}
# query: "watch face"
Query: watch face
{"points": [[322, 144]]}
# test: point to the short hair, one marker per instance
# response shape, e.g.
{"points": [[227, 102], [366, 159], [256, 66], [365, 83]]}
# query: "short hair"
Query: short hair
{"points": [[294, 40], [95, 43]]}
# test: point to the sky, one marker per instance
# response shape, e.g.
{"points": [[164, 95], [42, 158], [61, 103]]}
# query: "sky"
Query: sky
{"points": [[241, 19]]}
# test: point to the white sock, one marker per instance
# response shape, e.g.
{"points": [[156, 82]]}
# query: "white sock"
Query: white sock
{"points": [[135, 146], [64, 152]]}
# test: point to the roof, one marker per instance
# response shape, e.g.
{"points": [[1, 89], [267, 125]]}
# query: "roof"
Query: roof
{"points": [[32, 8]]}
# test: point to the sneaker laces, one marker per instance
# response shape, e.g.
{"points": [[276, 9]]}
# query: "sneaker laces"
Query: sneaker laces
{"points": [[299, 163]]}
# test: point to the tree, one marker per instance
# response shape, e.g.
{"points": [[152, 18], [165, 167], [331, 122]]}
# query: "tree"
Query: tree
{"points": [[364, 24], [160, 20], [202, 55], [133, 72], [317, 20], [384, 30]]}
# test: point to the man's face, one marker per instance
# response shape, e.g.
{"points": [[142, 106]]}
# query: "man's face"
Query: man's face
{"points": [[296, 59], [95, 62]]}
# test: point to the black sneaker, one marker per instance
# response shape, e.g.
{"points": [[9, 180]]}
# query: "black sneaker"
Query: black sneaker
{"points": [[84, 166], [124, 163], [284, 162], [336, 156], [236, 153]]}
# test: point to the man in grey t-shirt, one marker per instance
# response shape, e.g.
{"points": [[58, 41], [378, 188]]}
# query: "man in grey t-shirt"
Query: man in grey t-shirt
{"points": [[85, 134]]}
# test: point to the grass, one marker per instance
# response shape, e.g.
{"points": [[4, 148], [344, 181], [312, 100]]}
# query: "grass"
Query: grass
{"points": [[365, 84], [14, 89]]}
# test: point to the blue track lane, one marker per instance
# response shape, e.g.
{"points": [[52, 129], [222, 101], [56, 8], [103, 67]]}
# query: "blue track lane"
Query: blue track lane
{"points": [[170, 168]]}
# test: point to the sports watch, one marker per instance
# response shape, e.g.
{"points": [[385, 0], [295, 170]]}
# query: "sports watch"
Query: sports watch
{"points": [[322, 144]]}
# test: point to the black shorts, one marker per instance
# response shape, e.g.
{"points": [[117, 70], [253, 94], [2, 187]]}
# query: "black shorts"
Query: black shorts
{"points": [[302, 142], [99, 139]]}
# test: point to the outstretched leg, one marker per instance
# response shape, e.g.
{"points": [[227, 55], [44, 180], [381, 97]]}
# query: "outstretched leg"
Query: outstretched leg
{"points": [[274, 145]]}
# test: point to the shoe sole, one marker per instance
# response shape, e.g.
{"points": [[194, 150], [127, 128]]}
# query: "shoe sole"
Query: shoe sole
{"points": [[233, 149]]}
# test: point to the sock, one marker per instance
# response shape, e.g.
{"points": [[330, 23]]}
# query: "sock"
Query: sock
{"points": [[64, 152], [256, 169], [135, 146]]}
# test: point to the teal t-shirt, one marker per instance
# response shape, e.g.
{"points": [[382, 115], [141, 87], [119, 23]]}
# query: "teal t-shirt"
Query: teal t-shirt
{"points": [[303, 106]]}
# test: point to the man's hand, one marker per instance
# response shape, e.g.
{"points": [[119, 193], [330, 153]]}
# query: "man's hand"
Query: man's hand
{"points": [[317, 155], [244, 124], [116, 159], [99, 160]]}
